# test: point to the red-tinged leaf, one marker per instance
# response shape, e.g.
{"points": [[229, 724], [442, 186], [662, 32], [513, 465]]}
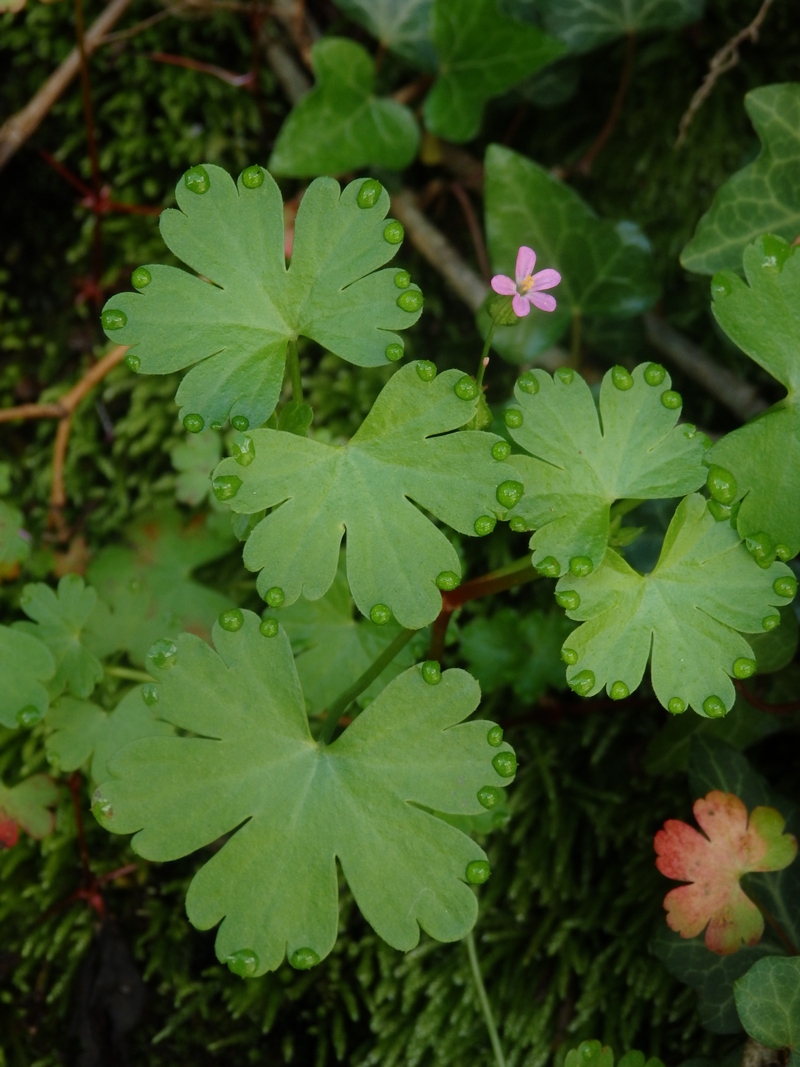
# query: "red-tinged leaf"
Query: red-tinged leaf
{"points": [[9, 831], [26, 806], [714, 863]]}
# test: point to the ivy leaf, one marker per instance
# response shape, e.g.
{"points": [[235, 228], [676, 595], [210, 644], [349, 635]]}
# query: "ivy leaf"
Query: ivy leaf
{"points": [[401, 453], [762, 316], [401, 26], [26, 806], [84, 732], [763, 197], [606, 267], [768, 1002], [584, 459], [341, 125], [232, 324], [332, 649], [194, 459], [683, 617], [482, 54], [593, 1054], [60, 622], [147, 591], [298, 806], [24, 664], [587, 24], [14, 548], [733, 845]]}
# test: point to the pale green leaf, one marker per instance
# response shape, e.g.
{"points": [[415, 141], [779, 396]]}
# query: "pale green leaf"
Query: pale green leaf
{"points": [[402, 26], [233, 322], [587, 24], [606, 267], [763, 197], [768, 1002], [194, 459], [482, 53], [25, 663], [341, 125], [14, 548], [401, 456], [594, 1054], [26, 806], [61, 619], [684, 617], [252, 764], [84, 733], [762, 316], [582, 459]]}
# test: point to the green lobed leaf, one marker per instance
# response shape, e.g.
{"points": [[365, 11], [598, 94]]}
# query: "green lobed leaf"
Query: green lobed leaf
{"points": [[762, 316], [194, 459], [401, 456], [763, 197], [606, 267], [684, 617], [481, 55], [252, 763], [583, 459], [25, 663], [26, 806], [341, 125], [587, 24], [84, 733], [768, 1002], [62, 618], [594, 1054], [402, 26], [14, 548], [232, 324]]}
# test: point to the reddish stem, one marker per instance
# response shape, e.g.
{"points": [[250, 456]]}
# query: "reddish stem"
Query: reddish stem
{"points": [[762, 705], [584, 164], [237, 80], [74, 784], [474, 229]]}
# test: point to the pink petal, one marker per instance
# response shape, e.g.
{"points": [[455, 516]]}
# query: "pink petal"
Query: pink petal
{"points": [[502, 284], [521, 306], [543, 301], [546, 279], [526, 261]]}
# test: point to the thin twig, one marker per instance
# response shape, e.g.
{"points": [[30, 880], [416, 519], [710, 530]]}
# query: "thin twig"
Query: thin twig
{"points": [[140, 27], [724, 60], [474, 229], [584, 164], [407, 94], [239, 81], [66, 404]]}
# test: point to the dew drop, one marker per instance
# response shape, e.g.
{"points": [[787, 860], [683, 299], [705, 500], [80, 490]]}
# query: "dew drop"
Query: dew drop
{"points": [[720, 285], [568, 599], [775, 252], [495, 736], [275, 596], [197, 180], [448, 581], [269, 626], [769, 622], [720, 512], [231, 620], [565, 375], [505, 763], [786, 586], [513, 418], [489, 796], [410, 300], [761, 547], [714, 707], [783, 552], [150, 694], [466, 388], [113, 319], [621, 378], [163, 653], [194, 423], [721, 484], [303, 959], [29, 716], [244, 451], [671, 400], [478, 872], [654, 374], [582, 683], [431, 672], [426, 370], [619, 691], [518, 524], [215, 424], [394, 232], [252, 177], [141, 278], [133, 362], [240, 423], [226, 486], [509, 493], [394, 352], [529, 383], [676, 706], [501, 450], [549, 567], [569, 655], [101, 808], [402, 279], [380, 614], [244, 962], [743, 667], [369, 194], [581, 566]]}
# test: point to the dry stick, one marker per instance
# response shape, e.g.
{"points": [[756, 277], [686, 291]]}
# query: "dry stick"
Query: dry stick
{"points": [[16, 130], [584, 164], [724, 60], [474, 229]]}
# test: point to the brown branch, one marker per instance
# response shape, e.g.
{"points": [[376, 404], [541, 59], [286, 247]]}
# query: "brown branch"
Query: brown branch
{"points": [[474, 229], [16, 130], [239, 81], [407, 94], [584, 164], [763, 705], [724, 60]]}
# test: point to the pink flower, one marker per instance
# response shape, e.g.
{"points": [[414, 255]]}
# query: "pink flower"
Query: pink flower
{"points": [[528, 287]]}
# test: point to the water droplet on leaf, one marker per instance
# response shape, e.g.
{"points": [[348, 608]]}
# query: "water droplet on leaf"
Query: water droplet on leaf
{"points": [[582, 683], [478, 872], [581, 566], [761, 548], [448, 581], [394, 352], [786, 586], [621, 378], [426, 370], [565, 375], [240, 423], [101, 808], [501, 450], [133, 362], [466, 388], [568, 599], [783, 553], [141, 278], [150, 694], [549, 567], [569, 655], [303, 959], [671, 400], [215, 424], [744, 667], [518, 524], [197, 180], [194, 423], [269, 626], [275, 596], [619, 691], [369, 194], [113, 319], [720, 285], [28, 716], [529, 383], [484, 525], [513, 418], [775, 252], [769, 622], [489, 796], [720, 512], [244, 451], [163, 653], [244, 962], [495, 736], [394, 232], [380, 614], [505, 763], [676, 706], [714, 707], [231, 620], [410, 300], [431, 672], [226, 486], [252, 177], [509, 493], [402, 279], [721, 484], [654, 374]]}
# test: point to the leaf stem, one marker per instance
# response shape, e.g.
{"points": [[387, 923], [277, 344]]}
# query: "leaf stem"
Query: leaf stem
{"points": [[345, 699], [128, 674], [788, 944], [485, 352], [293, 362], [486, 1007], [622, 507]]}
